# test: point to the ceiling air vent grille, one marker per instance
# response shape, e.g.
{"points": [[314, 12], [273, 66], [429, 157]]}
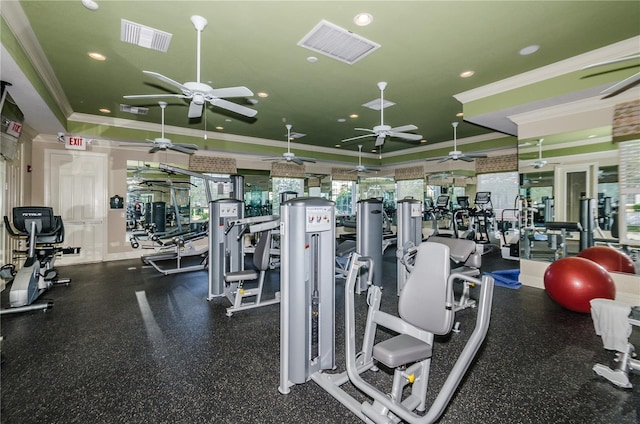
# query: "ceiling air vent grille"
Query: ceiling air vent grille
{"points": [[337, 43], [144, 36], [136, 110]]}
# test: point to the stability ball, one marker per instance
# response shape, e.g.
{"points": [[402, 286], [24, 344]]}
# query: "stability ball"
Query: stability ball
{"points": [[572, 282], [611, 259]]}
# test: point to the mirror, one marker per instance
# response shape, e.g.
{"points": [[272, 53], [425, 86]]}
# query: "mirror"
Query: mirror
{"points": [[156, 201]]}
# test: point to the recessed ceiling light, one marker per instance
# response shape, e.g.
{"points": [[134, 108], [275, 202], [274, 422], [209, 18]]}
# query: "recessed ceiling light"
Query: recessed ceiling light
{"points": [[342, 120], [219, 128], [90, 4], [529, 50], [312, 59], [262, 94], [592, 136], [97, 56], [467, 74], [373, 150], [424, 140], [353, 116], [363, 19], [338, 145], [104, 110], [459, 114], [228, 120]]}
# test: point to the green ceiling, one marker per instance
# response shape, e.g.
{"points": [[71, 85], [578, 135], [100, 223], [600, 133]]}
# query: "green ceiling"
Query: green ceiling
{"points": [[424, 47]]}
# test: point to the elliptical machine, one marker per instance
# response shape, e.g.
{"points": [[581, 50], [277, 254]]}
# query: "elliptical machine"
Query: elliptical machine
{"points": [[44, 232]]}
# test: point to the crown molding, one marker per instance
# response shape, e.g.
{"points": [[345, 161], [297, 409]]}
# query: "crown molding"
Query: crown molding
{"points": [[573, 64], [19, 25]]}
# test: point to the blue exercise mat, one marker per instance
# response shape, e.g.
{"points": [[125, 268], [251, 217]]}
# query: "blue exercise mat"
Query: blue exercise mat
{"points": [[507, 278]]}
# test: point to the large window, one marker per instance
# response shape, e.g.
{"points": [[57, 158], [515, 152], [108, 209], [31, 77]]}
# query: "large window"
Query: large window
{"points": [[343, 194], [503, 187], [280, 185]]}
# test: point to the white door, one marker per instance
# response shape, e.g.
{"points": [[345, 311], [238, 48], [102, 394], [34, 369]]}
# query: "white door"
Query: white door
{"points": [[76, 189], [571, 183]]}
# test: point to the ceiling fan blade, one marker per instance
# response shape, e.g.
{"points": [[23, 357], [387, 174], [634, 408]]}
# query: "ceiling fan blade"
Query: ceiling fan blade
{"points": [[155, 149], [465, 158], [445, 159], [195, 110], [187, 146], [311, 160], [231, 92], [404, 128], [412, 137], [609, 62], [233, 107], [380, 140], [154, 96], [296, 160], [439, 158], [371, 170], [169, 81], [365, 129], [357, 138], [475, 155], [622, 85], [181, 149]]}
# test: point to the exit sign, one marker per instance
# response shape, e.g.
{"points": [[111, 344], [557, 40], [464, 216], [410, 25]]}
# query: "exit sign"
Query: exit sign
{"points": [[75, 143], [14, 128]]}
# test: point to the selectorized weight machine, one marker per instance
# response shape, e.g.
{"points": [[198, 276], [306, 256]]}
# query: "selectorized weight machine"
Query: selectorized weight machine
{"points": [[307, 321]]}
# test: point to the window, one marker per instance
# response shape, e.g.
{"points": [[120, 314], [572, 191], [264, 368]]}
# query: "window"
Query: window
{"points": [[343, 194], [503, 187]]}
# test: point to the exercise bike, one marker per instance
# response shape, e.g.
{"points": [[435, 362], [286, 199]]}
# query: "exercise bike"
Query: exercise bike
{"points": [[44, 232]]}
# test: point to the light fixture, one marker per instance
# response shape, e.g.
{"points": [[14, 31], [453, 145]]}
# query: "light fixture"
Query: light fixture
{"points": [[104, 110], [353, 116], [312, 59], [424, 140], [342, 120], [459, 114], [467, 74], [97, 56], [219, 128], [262, 94], [90, 4], [363, 19], [529, 50], [338, 145]]}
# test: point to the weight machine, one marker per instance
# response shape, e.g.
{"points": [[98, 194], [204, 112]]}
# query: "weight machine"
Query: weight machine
{"points": [[307, 345], [409, 234]]}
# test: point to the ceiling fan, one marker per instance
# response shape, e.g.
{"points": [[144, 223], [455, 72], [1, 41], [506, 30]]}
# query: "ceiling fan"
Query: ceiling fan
{"points": [[540, 163], [361, 167], [456, 154], [383, 131], [288, 155], [198, 92], [163, 143], [620, 86]]}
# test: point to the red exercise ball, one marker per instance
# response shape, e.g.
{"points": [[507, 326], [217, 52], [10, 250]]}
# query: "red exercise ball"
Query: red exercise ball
{"points": [[573, 282], [611, 259]]}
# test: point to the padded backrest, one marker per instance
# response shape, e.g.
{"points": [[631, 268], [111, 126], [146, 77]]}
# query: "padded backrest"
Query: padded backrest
{"points": [[262, 253], [53, 238], [426, 299], [23, 216]]}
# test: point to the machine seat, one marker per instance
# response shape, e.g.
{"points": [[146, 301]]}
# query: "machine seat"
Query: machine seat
{"points": [[401, 350]]}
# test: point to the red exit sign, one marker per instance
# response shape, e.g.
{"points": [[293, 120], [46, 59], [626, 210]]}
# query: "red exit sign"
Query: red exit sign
{"points": [[76, 143]]}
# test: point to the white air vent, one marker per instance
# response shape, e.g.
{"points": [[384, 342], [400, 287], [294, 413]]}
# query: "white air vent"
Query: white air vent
{"points": [[375, 104], [144, 36], [295, 135], [136, 110], [337, 43]]}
